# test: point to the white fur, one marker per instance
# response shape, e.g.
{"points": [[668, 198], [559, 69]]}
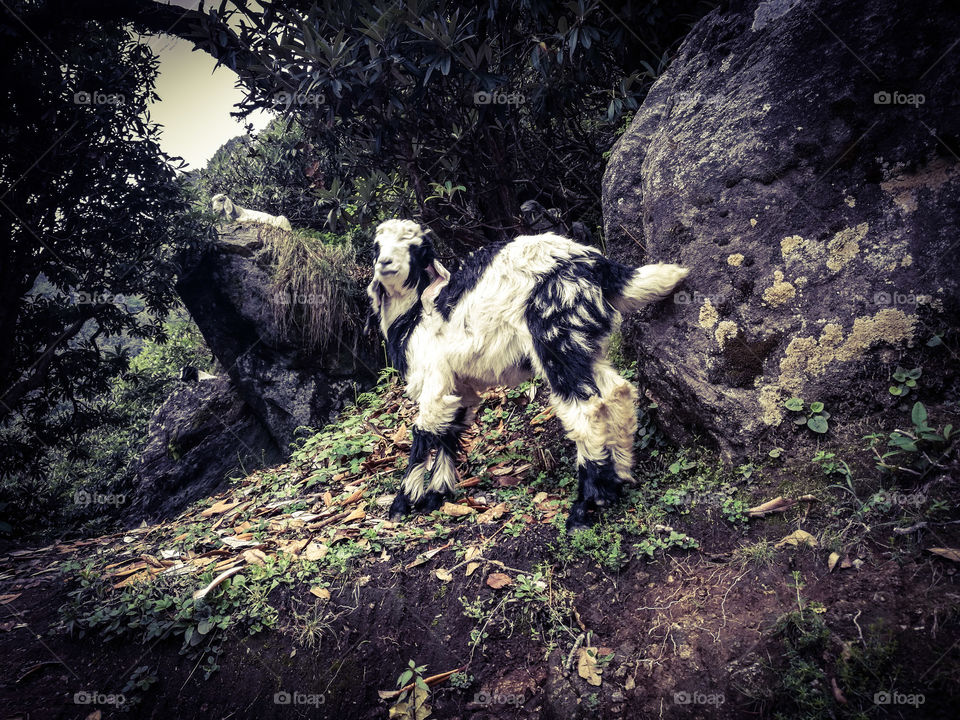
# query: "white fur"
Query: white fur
{"points": [[486, 337], [224, 206]]}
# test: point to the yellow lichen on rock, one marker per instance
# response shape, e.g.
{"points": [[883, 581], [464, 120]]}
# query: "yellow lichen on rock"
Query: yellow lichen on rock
{"points": [[708, 315], [780, 292], [789, 244], [735, 260], [770, 399], [887, 325], [845, 246], [726, 330]]}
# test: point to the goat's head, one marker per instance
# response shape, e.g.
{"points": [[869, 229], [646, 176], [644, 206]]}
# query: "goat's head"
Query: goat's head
{"points": [[404, 267], [223, 205]]}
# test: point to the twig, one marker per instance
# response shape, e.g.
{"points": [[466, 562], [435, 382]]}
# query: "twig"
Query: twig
{"points": [[432, 680]]}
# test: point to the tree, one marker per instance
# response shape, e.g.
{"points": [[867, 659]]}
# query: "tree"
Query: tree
{"points": [[91, 213], [454, 112]]}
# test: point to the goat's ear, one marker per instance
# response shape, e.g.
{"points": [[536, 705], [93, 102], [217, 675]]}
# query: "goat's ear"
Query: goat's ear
{"points": [[376, 293], [439, 277], [228, 207]]}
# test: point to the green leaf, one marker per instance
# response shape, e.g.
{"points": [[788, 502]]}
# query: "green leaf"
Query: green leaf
{"points": [[934, 341], [896, 390], [800, 421], [794, 403], [947, 431], [919, 413], [775, 453], [818, 423], [204, 627], [816, 407]]}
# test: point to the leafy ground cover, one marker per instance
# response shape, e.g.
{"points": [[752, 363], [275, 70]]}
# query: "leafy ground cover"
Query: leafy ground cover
{"points": [[793, 587]]}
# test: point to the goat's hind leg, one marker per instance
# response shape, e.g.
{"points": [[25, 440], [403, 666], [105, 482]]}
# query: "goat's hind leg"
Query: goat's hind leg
{"points": [[586, 422]]}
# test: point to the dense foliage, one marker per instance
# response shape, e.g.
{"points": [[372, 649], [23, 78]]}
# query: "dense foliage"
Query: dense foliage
{"points": [[91, 214], [453, 113], [275, 170]]}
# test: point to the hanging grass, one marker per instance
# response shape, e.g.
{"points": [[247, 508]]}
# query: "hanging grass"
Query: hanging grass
{"points": [[317, 301]]}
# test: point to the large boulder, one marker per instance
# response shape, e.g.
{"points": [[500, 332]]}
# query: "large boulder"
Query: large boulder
{"points": [[201, 436], [230, 291], [802, 159]]}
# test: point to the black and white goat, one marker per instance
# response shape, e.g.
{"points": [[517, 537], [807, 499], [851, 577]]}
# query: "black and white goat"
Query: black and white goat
{"points": [[539, 304]]}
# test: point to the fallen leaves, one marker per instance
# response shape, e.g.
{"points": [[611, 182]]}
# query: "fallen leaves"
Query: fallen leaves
{"points": [[948, 553], [315, 551], [203, 592], [320, 592], [492, 515], [456, 510], [798, 538], [443, 574], [499, 580], [588, 666], [778, 504]]}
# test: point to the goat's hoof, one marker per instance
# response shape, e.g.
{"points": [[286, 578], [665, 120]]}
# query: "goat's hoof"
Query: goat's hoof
{"points": [[431, 501], [578, 518], [399, 508]]}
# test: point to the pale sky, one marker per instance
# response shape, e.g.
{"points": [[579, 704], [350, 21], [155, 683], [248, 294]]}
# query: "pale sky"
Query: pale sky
{"points": [[195, 101]]}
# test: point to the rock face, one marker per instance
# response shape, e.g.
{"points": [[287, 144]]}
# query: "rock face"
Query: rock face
{"points": [[228, 290], [203, 434], [802, 159]]}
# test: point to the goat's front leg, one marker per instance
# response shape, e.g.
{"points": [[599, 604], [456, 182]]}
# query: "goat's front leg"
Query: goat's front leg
{"points": [[437, 428], [411, 492]]}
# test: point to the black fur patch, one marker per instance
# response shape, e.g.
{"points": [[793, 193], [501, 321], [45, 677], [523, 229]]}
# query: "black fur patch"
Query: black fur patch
{"points": [[553, 318], [449, 441], [421, 257], [598, 487], [398, 336], [612, 277], [466, 278]]}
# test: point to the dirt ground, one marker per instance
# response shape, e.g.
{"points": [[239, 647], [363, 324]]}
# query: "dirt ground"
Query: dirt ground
{"points": [[714, 631]]}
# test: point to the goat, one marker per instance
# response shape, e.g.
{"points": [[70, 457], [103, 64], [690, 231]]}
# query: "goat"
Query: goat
{"points": [[538, 304], [224, 206]]}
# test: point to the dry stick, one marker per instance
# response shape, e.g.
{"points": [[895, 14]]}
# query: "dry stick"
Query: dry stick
{"points": [[432, 680]]}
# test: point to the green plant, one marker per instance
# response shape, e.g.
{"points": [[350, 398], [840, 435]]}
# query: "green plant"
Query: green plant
{"points": [[461, 680], [905, 379], [914, 448], [812, 415]]}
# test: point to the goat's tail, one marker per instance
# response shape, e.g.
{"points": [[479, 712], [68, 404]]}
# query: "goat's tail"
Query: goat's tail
{"points": [[645, 285]]}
